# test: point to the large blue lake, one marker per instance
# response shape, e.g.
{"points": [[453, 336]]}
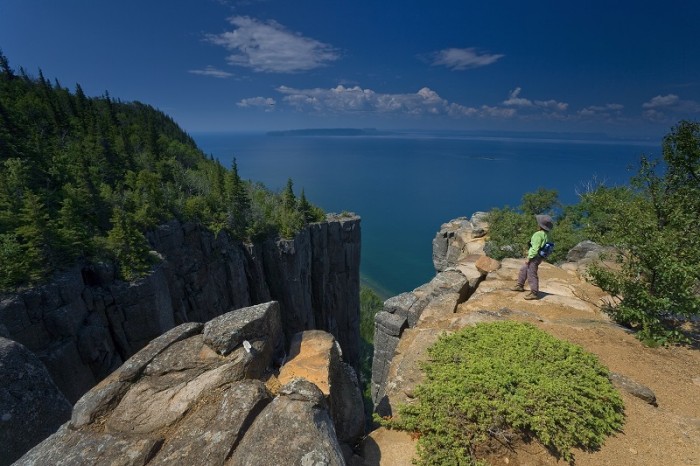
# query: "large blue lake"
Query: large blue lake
{"points": [[405, 185]]}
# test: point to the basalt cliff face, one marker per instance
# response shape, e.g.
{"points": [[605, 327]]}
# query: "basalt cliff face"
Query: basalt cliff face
{"points": [[86, 323]]}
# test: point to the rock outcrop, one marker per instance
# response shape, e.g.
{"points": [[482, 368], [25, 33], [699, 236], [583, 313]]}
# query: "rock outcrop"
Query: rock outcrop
{"points": [[208, 394], [85, 323], [31, 406], [456, 247], [657, 384]]}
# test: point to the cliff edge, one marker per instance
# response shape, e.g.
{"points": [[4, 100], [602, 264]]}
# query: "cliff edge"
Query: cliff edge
{"points": [[85, 323], [659, 386]]}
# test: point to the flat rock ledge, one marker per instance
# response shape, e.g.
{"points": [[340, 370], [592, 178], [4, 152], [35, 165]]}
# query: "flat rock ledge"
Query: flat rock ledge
{"points": [[201, 394]]}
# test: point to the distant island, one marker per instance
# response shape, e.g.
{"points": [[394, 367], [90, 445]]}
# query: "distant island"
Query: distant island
{"points": [[327, 132]]}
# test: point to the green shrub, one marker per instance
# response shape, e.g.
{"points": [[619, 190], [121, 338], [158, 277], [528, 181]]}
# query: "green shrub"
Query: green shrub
{"points": [[510, 229], [655, 228], [503, 379]]}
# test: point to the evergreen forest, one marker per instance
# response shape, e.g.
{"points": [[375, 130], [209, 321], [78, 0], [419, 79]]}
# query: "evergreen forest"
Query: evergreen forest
{"points": [[84, 178]]}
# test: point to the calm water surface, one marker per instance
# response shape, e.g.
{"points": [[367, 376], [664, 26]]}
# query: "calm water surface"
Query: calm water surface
{"points": [[405, 186]]}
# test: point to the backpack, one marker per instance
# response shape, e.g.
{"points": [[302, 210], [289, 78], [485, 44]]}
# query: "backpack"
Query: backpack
{"points": [[546, 249]]}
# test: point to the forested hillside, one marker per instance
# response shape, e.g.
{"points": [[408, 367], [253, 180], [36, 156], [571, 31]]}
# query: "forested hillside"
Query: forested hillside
{"points": [[84, 178]]}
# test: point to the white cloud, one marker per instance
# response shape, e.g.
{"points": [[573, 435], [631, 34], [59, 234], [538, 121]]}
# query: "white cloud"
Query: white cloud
{"points": [[354, 99], [462, 59], [213, 72], [341, 99], [266, 103], [552, 105], [497, 112], [661, 101], [514, 99], [607, 110], [669, 106], [270, 47]]}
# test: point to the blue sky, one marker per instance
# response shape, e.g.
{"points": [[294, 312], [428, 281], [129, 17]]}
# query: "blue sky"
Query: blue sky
{"points": [[626, 68]]}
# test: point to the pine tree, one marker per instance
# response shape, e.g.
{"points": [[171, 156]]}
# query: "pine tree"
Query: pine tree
{"points": [[33, 235], [128, 245], [239, 202], [306, 209], [289, 200]]}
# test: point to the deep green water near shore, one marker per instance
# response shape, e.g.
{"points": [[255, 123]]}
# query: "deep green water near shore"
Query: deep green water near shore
{"points": [[405, 185]]}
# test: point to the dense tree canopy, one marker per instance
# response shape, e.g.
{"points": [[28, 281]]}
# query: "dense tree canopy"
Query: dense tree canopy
{"points": [[86, 177]]}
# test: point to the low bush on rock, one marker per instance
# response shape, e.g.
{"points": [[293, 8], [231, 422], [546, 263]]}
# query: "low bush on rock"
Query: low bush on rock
{"points": [[508, 380]]}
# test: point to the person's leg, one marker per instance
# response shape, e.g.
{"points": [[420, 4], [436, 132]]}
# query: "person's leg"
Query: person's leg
{"points": [[532, 278], [522, 276]]}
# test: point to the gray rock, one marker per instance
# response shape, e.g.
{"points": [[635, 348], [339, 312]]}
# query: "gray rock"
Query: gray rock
{"points": [[146, 308], [587, 250], [294, 429], [479, 221], [69, 448], [208, 434], [225, 333], [390, 324], [67, 369], [157, 402], [98, 402], [633, 388], [31, 406], [347, 406], [85, 323], [288, 272], [180, 402], [404, 311], [388, 327], [451, 242], [132, 368]]}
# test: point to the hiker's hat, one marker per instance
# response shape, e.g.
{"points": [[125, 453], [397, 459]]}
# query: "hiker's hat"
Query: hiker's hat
{"points": [[545, 222]]}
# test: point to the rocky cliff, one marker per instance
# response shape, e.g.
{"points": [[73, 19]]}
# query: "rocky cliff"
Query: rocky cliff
{"points": [[213, 394], [86, 323]]}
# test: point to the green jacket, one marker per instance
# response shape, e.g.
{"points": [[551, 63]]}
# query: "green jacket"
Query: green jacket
{"points": [[536, 242]]}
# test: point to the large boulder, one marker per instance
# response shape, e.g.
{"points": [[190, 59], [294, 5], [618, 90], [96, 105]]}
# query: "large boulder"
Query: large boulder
{"points": [[294, 429], [31, 406], [198, 395], [315, 356], [458, 239]]}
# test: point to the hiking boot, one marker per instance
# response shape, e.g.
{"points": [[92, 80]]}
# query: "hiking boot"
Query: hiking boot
{"points": [[531, 295], [517, 288]]}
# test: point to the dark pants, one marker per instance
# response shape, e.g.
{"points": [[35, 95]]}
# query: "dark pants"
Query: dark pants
{"points": [[529, 271]]}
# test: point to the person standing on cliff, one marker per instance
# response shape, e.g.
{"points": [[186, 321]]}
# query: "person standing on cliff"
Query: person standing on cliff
{"points": [[529, 270]]}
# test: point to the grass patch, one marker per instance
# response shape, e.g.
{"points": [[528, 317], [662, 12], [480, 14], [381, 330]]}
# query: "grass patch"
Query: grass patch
{"points": [[505, 380]]}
